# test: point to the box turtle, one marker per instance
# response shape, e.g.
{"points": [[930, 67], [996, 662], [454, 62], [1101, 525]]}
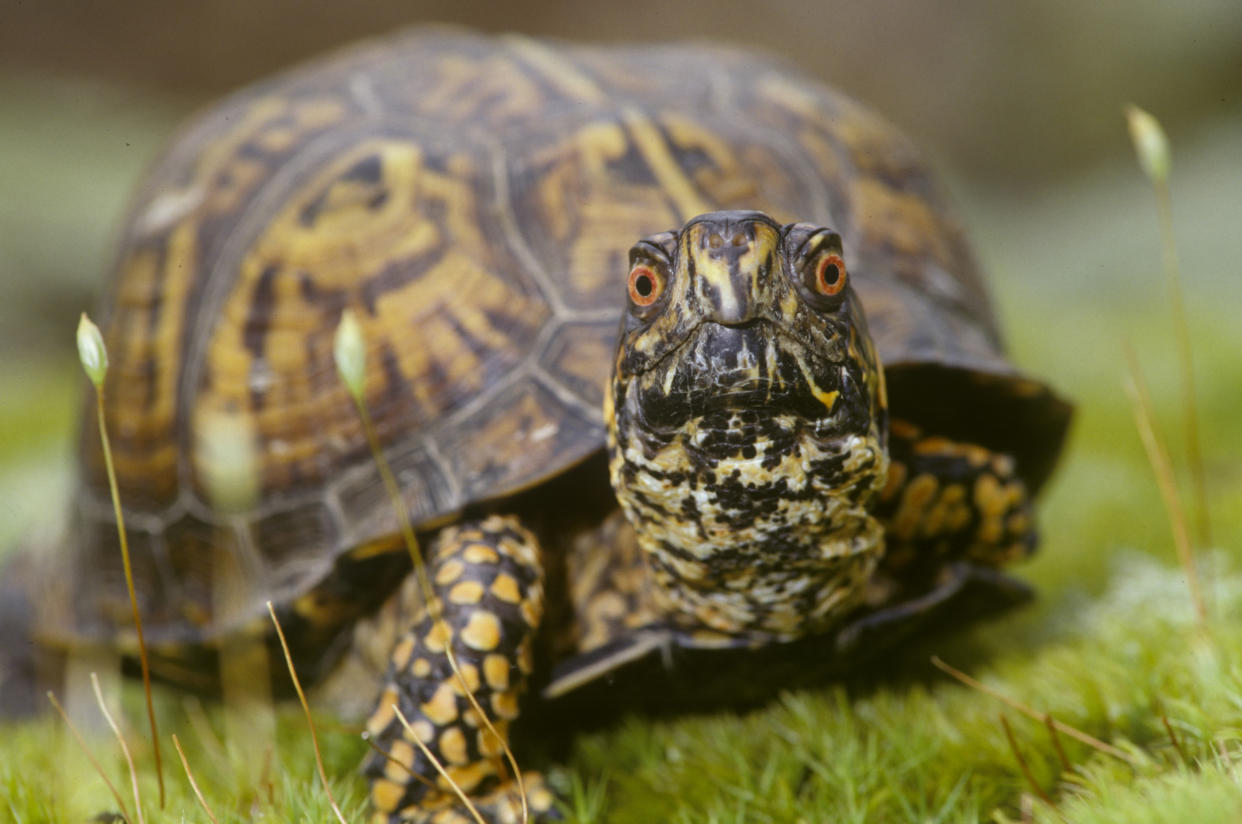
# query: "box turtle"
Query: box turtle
{"points": [[613, 300]]}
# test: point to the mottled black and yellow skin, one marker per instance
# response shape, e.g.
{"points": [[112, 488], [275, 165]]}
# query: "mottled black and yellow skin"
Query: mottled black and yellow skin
{"points": [[747, 431], [477, 201]]}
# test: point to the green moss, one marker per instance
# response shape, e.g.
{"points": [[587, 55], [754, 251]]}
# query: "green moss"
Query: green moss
{"points": [[929, 751]]}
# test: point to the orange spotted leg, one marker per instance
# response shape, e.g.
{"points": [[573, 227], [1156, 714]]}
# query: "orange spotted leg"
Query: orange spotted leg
{"points": [[488, 579], [948, 501]]}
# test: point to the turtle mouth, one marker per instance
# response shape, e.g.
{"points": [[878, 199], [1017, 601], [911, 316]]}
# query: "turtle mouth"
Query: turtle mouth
{"points": [[752, 366]]}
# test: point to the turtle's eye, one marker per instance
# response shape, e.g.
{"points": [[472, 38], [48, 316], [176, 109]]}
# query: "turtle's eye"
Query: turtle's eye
{"points": [[828, 275], [817, 264], [646, 285]]}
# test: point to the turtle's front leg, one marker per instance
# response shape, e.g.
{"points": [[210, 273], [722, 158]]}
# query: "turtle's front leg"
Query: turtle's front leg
{"points": [[949, 501], [488, 577]]}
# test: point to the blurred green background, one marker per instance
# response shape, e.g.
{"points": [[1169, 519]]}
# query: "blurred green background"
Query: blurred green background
{"points": [[1018, 105]]}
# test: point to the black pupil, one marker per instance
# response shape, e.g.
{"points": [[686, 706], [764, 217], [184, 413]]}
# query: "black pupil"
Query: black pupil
{"points": [[832, 273], [643, 286]]}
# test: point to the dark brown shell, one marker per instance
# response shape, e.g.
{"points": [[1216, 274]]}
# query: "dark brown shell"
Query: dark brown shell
{"points": [[473, 200]]}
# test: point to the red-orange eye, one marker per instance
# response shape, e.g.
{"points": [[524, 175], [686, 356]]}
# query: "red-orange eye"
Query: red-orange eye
{"points": [[830, 274], [645, 285]]}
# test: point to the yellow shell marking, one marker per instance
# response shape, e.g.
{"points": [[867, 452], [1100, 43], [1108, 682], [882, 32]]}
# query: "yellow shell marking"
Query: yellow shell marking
{"points": [[347, 228], [667, 171], [555, 70]]}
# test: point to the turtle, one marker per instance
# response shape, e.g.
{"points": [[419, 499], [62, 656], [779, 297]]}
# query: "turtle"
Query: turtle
{"points": [[680, 361]]}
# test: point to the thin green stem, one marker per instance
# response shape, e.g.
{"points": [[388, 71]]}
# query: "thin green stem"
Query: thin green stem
{"points": [[310, 721], [1136, 388], [129, 583], [433, 605], [1172, 271], [77, 736]]}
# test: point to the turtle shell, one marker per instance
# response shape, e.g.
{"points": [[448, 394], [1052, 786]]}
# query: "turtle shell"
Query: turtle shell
{"points": [[473, 199]]}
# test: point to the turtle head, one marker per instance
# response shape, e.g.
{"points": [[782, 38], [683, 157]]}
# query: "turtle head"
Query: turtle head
{"points": [[746, 418], [736, 312]]}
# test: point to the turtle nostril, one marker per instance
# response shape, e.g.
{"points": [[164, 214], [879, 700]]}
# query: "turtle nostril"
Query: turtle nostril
{"points": [[739, 239]]}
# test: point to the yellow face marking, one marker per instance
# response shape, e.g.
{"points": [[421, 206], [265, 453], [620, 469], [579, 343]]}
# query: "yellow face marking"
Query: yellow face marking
{"points": [[828, 399], [505, 587], [421, 668], [712, 268], [482, 632]]}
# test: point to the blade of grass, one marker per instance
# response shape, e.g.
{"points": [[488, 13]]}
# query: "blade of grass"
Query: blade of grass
{"points": [[120, 803], [197, 716], [1177, 745], [310, 722], [1029, 712], [193, 784], [133, 774], [1056, 742], [1136, 389], [1152, 147], [1026, 769], [94, 357]]}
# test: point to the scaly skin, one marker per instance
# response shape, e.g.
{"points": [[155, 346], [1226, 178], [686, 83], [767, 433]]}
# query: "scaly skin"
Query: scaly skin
{"points": [[748, 429]]}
